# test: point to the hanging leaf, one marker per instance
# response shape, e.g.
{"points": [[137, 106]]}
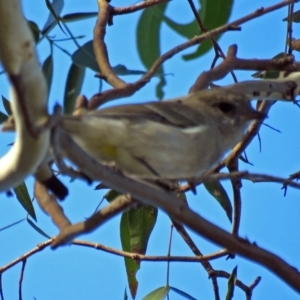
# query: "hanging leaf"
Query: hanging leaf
{"points": [[38, 229], [135, 229], [213, 13], [34, 30], [73, 87], [55, 9], [24, 199], [231, 284], [6, 105], [148, 40], [219, 193], [47, 69], [3, 117]]}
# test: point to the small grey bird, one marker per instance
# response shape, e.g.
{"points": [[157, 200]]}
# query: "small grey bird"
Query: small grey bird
{"points": [[177, 139]]}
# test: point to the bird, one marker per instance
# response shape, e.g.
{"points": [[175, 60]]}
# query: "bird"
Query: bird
{"points": [[177, 139]]}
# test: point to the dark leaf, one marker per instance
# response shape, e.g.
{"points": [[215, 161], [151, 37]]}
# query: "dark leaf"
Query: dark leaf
{"points": [[132, 266], [73, 87], [218, 192], [111, 195], [78, 16], [6, 105], [295, 17], [34, 30], [47, 69], [56, 6], [231, 284], [182, 293], [38, 229], [24, 199], [3, 117], [148, 43]]}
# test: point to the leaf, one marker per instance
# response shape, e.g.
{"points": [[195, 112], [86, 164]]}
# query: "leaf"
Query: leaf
{"points": [[132, 266], [158, 294], [6, 105], [78, 16], [135, 229], [295, 17], [148, 43], [56, 6], [111, 195], [182, 293], [125, 295], [3, 117], [215, 188], [231, 284], [34, 30], [38, 229], [47, 69], [73, 87], [213, 13], [24, 199], [54, 13], [85, 57]]}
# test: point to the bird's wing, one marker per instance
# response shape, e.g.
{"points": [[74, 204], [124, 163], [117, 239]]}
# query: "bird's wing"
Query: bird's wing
{"points": [[174, 113]]}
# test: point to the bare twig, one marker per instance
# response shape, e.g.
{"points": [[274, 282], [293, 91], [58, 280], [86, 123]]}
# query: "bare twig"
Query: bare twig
{"points": [[135, 7], [100, 48], [68, 233]]}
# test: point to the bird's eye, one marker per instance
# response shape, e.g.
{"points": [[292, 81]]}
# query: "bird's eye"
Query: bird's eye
{"points": [[226, 107]]}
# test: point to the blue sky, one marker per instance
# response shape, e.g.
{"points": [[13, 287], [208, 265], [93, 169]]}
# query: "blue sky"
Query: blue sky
{"points": [[268, 218]]}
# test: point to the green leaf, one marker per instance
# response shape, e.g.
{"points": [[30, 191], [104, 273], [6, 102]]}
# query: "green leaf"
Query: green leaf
{"points": [[135, 229], [111, 195], [34, 30], [148, 40], [38, 229], [78, 16], [3, 117], [47, 69], [73, 87], [215, 188], [24, 199], [231, 284], [132, 266], [85, 57], [158, 294], [6, 105], [295, 17], [56, 6], [54, 14], [213, 13], [182, 293], [141, 222]]}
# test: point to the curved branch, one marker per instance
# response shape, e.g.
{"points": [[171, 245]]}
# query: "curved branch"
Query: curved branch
{"points": [[19, 60]]}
